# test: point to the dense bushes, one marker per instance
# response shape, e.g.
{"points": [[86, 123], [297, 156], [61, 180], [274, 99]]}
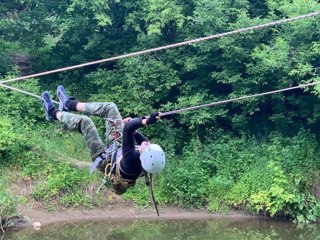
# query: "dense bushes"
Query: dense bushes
{"points": [[56, 181], [63, 184], [185, 180], [7, 134], [273, 176], [7, 201], [7, 206]]}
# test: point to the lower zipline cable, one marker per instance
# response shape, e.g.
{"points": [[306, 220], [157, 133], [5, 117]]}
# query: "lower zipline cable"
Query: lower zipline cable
{"points": [[22, 91], [236, 99], [198, 106]]}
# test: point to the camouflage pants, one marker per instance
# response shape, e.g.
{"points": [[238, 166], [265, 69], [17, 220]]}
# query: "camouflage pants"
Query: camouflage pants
{"points": [[84, 124]]}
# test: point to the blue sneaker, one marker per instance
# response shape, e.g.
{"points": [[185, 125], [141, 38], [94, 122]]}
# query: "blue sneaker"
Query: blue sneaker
{"points": [[63, 98], [47, 105]]}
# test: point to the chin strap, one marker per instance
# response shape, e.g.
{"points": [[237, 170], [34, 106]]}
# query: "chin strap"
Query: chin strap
{"points": [[149, 184]]}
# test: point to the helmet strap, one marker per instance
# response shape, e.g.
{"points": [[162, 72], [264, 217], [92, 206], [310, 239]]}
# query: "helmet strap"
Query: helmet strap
{"points": [[149, 183]]}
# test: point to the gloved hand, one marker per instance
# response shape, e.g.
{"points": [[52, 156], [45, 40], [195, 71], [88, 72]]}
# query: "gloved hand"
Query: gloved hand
{"points": [[153, 118]]}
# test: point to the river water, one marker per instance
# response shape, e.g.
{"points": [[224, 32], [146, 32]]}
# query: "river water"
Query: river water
{"points": [[170, 229]]}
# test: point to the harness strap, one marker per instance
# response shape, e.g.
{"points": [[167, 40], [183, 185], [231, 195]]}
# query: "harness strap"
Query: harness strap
{"points": [[110, 166], [96, 162], [118, 165], [102, 156]]}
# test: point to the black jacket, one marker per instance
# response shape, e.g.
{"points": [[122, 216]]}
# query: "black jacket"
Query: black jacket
{"points": [[130, 165]]}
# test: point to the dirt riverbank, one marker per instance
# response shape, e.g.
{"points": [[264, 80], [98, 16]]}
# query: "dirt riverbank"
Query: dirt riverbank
{"points": [[120, 211]]}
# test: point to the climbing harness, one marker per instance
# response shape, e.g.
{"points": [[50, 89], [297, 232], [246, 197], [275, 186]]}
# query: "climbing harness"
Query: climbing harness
{"points": [[114, 145], [113, 124], [110, 155]]}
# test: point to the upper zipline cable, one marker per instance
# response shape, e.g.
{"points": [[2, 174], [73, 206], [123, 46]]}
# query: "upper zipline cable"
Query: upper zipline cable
{"points": [[237, 99], [166, 47], [172, 46]]}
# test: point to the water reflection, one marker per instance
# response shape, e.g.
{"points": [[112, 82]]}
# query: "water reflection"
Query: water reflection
{"points": [[171, 229]]}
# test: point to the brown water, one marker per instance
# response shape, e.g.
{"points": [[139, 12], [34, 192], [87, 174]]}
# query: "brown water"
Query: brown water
{"points": [[173, 229]]}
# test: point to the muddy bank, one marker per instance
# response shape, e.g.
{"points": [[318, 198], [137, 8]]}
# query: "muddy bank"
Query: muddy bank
{"points": [[124, 212]]}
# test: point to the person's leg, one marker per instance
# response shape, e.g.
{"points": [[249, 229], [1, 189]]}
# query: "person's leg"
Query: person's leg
{"points": [[107, 110], [102, 109], [84, 125], [73, 122]]}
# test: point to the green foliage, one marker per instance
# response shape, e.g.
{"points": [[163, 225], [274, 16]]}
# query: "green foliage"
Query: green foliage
{"points": [[283, 196], [185, 180], [6, 50], [7, 135], [60, 179], [28, 22], [283, 173], [218, 187], [210, 158], [279, 192], [56, 181], [7, 201], [156, 17], [21, 109], [139, 194], [272, 177], [7, 205], [53, 140], [97, 8], [76, 198], [140, 75]]}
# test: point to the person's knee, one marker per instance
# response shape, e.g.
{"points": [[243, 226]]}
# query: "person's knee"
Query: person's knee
{"points": [[112, 105], [85, 123], [113, 111]]}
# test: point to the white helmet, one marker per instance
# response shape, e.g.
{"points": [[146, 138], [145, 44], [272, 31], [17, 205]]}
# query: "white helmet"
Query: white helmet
{"points": [[153, 159]]}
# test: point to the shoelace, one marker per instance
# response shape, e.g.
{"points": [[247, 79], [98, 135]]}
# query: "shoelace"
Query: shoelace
{"points": [[63, 99]]}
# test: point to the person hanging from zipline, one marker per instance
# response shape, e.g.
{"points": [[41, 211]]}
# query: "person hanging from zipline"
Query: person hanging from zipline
{"points": [[123, 166]]}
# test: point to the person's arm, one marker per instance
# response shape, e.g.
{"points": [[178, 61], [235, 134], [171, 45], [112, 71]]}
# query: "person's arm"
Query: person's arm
{"points": [[129, 131], [130, 128], [139, 137]]}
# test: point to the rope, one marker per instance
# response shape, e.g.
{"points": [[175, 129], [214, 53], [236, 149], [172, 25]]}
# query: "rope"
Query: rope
{"points": [[166, 47], [22, 91], [198, 106], [236, 99]]}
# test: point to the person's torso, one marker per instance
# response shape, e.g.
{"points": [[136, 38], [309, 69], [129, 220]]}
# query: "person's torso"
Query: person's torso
{"points": [[130, 164]]}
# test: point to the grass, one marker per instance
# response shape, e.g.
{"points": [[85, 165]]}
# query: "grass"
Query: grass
{"points": [[60, 143]]}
